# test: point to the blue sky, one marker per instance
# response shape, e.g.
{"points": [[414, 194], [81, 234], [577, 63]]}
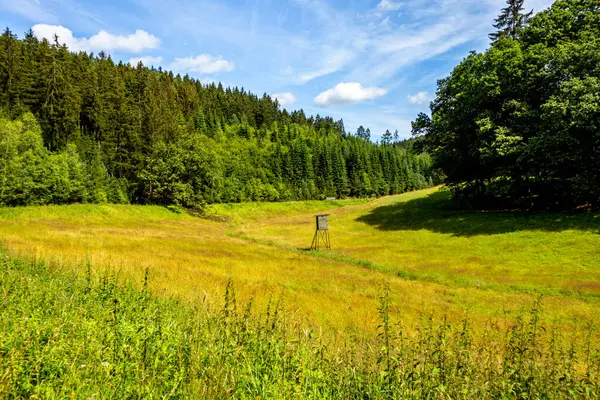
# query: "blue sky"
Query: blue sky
{"points": [[370, 62]]}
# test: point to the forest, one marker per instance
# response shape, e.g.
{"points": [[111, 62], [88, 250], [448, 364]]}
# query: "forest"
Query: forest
{"points": [[518, 126], [79, 127]]}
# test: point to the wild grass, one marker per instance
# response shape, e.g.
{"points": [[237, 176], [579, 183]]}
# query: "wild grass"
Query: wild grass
{"points": [[92, 336], [422, 236], [242, 213], [261, 248], [91, 211]]}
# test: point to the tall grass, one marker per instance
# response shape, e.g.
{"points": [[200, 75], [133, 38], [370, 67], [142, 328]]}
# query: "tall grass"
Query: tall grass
{"points": [[259, 246], [93, 337]]}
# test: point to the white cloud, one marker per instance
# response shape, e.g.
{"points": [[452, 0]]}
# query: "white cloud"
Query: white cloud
{"points": [[30, 9], [146, 60], [348, 92], [332, 62], [132, 43], [136, 42], [387, 43], [285, 99], [388, 5], [420, 98], [409, 45], [202, 64]]}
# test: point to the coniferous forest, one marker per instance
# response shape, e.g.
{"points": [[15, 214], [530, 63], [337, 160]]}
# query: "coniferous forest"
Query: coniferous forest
{"points": [[79, 127]]}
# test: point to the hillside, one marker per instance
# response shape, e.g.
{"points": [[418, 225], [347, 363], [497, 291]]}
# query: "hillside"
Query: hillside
{"points": [[80, 128]]}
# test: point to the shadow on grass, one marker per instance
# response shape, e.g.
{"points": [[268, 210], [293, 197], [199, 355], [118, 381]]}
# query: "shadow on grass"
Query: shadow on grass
{"points": [[438, 213]]}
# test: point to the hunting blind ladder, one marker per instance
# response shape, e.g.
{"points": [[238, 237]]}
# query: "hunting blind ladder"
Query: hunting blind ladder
{"points": [[321, 238]]}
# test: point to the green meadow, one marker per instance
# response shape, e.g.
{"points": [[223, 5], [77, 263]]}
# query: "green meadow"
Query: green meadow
{"points": [[415, 297], [434, 256]]}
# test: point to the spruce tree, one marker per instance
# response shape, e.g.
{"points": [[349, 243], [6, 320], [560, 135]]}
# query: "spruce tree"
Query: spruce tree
{"points": [[387, 137], [9, 68], [511, 21], [117, 132], [360, 132]]}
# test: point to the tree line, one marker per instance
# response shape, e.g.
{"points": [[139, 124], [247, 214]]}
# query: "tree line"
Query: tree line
{"points": [[518, 126], [79, 127]]}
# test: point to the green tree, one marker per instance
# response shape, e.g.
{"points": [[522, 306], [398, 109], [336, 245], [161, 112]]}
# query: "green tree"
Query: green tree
{"points": [[517, 125], [88, 129], [387, 137], [511, 21]]}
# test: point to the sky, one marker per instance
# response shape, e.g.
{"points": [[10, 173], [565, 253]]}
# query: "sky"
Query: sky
{"points": [[370, 62]]}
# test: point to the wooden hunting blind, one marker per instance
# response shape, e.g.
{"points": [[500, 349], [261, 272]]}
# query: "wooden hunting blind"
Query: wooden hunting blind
{"points": [[321, 237]]}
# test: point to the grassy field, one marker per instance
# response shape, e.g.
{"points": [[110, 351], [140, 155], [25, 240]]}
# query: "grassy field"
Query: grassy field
{"points": [[69, 336], [434, 258], [416, 299]]}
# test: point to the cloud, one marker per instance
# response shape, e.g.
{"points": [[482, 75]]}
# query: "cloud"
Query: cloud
{"points": [[132, 43], [420, 98], [385, 22], [332, 41], [146, 60], [385, 42], [285, 99], [408, 45], [332, 62], [202, 64], [388, 5], [30, 9], [348, 92]]}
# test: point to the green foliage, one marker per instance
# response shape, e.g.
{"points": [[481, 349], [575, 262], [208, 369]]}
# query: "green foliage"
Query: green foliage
{"points": [[63, 335], [517, 126], [511, 21], [148, 136], [33, 175]]}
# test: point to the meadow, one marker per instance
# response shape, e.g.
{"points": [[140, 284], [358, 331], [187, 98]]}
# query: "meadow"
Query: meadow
{"points": [[88, 336], [409, 279], [434, 257]]}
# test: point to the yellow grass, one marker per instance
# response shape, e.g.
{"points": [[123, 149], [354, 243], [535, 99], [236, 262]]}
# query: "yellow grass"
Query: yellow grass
{"points": [[439, 262]]}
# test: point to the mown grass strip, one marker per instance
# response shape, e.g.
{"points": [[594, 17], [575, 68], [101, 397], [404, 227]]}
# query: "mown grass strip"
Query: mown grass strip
{"points": [[412, 275]]}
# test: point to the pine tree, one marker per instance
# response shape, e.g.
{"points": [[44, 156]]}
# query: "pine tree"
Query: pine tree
{"points": [[360, 132], [9, 67], [387, 137], [511, 21], [339, 174], [118, 133], [29, 83]]}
